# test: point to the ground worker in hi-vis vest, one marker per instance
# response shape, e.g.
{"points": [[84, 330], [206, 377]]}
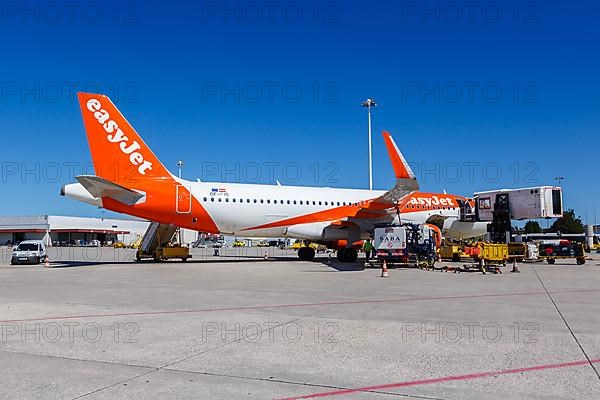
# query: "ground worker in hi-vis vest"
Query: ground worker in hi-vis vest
{"points": [[368, 248]]}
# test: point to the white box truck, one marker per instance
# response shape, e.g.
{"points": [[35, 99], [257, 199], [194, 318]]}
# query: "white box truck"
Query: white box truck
{"points": [[390, 238], [526, 203]]}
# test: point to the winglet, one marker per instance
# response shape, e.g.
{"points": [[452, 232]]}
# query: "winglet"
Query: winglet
{"points": [[401, 167]]}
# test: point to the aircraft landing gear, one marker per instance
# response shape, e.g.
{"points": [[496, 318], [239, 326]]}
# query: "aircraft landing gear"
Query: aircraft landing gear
{"points": [[306, 253], [347, 255]]}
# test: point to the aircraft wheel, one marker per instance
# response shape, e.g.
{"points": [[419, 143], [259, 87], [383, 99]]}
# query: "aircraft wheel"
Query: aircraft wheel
{"points": [[341, 254], [580, 261], [350, 255], [306, 253]]}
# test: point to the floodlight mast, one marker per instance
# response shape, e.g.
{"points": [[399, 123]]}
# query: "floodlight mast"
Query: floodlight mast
{"points": [[370, 103]]}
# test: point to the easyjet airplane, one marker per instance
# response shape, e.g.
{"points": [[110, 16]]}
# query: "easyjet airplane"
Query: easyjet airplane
{"points": [[131, 180]]}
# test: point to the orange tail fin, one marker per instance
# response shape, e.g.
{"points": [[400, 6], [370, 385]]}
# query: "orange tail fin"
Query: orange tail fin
{"points": [[119, 154]]}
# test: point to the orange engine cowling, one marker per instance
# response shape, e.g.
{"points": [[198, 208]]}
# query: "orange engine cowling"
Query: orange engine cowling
{"points": [[341, 244]]}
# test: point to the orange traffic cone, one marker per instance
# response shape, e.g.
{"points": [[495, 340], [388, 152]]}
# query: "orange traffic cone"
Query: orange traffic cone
{"points": [[46, 262], [384, 270], [515, 267]]}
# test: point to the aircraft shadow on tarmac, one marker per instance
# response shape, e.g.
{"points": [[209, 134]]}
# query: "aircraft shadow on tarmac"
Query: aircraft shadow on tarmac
{"points": [[71, 264], [223, 259]]}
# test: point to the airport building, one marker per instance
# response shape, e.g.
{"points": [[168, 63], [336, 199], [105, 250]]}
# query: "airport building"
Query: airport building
{"points": [[62, 230]]}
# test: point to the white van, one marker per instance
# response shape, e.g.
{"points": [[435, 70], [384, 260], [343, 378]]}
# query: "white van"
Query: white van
{"points": [[29, 252]]}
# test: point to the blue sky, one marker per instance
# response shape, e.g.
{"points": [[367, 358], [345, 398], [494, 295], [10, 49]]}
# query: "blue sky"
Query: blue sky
{"points": [[501, 94]]}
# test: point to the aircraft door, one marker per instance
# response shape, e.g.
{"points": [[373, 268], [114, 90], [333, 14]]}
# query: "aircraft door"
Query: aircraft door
{"points": [[183, 201]]}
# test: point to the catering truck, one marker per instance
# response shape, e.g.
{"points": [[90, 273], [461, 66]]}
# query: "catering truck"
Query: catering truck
{"points": [[526, 203]]}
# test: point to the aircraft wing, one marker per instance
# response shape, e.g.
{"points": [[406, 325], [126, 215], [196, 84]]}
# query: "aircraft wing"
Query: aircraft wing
{"points": [[99, 187], [364, 214], [383, 209]]}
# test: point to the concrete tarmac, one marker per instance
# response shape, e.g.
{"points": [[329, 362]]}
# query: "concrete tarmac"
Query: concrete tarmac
{"points": [[98, 325]]}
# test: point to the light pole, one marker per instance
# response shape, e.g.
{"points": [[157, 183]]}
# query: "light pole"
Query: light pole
{"points": [[369, 103], [180, 166], [559, 179]]}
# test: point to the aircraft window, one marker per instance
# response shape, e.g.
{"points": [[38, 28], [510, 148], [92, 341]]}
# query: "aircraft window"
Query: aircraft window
{"points": [[261, 201], [233, 200], [288, 202], [220, 199], [274, 201], [301, 203], [212, 199], [319, 203], [254, 200], [226, 200], [314, 203], [281, 201], [338, 203], [205, 199], [268, 201], [247, 200], [326, 203], [294, 201]]}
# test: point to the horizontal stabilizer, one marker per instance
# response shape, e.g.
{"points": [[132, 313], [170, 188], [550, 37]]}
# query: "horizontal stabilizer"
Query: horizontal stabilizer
{"points": [[100, 187]]}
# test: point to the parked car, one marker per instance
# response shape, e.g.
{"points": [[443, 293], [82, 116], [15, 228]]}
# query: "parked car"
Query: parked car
{"points": [[29, 252], [219, 243], [239, 243]]}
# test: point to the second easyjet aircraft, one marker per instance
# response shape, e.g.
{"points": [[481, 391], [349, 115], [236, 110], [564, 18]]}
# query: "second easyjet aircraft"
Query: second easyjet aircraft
{"points": [[131, 180]]}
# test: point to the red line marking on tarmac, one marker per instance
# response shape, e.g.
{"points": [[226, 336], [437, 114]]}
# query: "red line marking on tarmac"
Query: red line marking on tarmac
{"points": [[262, 307], [430, 381]]}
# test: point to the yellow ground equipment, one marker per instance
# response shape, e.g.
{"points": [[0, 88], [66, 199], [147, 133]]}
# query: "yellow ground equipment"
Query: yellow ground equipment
{"points": [[165, 253], [490, 253], [451, 252], [300, 243], [517, 251], [159, 243], [137, 243]]}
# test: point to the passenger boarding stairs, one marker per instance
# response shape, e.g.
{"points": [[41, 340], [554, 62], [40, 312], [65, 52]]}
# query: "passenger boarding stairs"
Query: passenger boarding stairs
{"points": [[467, 212], [157, 235]]}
